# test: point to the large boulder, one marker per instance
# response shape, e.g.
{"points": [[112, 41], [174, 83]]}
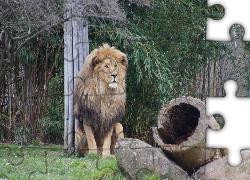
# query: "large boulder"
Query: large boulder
{"points": [[220, 169], [135, 157]]}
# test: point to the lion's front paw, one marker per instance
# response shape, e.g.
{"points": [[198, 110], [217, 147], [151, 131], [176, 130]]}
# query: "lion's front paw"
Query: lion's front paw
{"points": [[105, 153]]}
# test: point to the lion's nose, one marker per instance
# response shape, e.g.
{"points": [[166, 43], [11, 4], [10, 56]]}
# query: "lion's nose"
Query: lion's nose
{"points": [[114, 75]]}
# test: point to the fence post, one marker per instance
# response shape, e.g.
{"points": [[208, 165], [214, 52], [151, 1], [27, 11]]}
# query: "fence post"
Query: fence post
{"points": [[76, 49]]}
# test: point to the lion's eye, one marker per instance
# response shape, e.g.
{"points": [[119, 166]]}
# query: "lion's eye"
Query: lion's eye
{"points": [[116, 65], [106, 66]]}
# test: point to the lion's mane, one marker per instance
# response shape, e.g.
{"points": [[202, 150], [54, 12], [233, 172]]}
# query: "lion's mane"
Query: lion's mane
{"points": [[99, 106]]}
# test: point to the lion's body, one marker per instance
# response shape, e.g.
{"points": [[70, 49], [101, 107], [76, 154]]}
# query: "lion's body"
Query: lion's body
{"points": [[100, 95]]}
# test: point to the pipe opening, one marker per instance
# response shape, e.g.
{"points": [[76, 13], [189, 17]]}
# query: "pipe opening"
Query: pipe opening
{"points": [[181, 122]]}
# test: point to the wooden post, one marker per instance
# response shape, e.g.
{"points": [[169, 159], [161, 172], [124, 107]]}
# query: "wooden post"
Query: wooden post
{"points": [[181, 133], [67, 58], [80, 50], [76, 49]]}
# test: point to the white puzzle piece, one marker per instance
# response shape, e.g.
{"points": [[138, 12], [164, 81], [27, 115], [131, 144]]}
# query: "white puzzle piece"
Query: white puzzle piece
{"points": [[234, 134], [236, 12]]}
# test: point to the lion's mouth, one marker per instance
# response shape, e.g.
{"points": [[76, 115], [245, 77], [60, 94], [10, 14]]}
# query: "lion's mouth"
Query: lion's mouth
{"points": [[113, 85]]}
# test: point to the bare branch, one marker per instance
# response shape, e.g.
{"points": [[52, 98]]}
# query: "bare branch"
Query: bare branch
{"points": [[23, 37], [35, 35], [25, 20]]}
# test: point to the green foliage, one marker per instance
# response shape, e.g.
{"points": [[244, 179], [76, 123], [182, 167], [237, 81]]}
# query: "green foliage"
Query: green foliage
{"points": [[22, 135], [26, 56], [221, 123], [78, 164], [52, 124], [35, 143], [150, 177], [216, 12], [165, 44], [2, 127]]}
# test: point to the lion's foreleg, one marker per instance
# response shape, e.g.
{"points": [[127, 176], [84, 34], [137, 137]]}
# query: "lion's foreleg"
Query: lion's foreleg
{"points": [[106, 144], [119, 131], [117, 134], [90, 138]]}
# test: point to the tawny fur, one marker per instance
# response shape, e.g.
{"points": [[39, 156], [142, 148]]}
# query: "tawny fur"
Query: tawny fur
{"points": [[98, 103], [83, 144]]}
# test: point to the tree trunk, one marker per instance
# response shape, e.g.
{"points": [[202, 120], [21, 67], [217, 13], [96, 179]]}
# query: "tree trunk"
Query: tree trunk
{"points": [[214, 78], [181, 133], [208, 79], [10, 104], [203, 92]]}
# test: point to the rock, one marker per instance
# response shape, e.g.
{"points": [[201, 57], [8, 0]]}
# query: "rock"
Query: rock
{"points": [[135, 157], [220, 169]]}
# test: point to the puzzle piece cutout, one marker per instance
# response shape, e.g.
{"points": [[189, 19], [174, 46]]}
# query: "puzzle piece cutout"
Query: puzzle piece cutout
{"points": [[235, 12], [235, 111]]}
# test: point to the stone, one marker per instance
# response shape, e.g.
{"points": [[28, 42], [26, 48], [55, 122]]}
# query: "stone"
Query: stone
{"points": [[135, 158], [220, 169]]}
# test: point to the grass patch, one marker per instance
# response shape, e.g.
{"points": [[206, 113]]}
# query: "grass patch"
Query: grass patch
{"points": [[51, 162]]}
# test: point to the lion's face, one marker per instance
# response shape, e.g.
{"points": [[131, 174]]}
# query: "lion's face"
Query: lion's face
{"points": [[109, 68], [111, 73]]}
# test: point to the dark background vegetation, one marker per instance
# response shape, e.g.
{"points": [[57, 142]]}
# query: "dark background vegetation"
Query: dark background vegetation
{"points": [[168, 55]]}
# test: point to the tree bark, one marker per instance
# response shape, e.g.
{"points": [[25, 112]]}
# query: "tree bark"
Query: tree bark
{"points": [[208, 79], [203, 93]]}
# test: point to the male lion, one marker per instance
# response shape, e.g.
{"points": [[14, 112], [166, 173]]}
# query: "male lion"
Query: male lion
{"points": [[99, 99]]}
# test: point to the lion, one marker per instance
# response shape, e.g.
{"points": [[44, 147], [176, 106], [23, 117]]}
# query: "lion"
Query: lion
{"points": [[99, 100]]}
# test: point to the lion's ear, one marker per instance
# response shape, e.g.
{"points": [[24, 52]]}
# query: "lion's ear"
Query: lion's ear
{"points": [[95, 60], [125, 61]]}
